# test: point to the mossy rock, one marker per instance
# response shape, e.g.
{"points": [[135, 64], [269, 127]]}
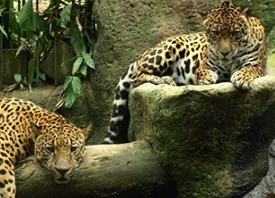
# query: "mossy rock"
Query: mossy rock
{"points": [[212, 139]]}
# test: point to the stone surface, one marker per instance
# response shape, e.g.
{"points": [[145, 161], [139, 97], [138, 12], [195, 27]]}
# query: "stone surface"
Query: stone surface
{"points": [[213, 139]]}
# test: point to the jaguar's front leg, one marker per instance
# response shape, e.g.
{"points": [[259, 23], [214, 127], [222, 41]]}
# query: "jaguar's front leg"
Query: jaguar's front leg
{"points": [[243, 78], [205, 76]]}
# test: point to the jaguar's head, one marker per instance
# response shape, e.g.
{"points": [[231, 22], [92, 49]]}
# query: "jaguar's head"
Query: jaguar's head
{"points": [[60, 148], [227, 29]]}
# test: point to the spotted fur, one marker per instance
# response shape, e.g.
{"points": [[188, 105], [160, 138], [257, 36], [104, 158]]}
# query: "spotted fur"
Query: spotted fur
{"points": [[26, 128], [232, 48]]}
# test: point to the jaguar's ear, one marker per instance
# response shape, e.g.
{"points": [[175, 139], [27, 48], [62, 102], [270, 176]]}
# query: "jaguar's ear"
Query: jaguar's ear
{"points": [[203, 14], [36, 130], [247, 12], [226, 4], [86, 130]]}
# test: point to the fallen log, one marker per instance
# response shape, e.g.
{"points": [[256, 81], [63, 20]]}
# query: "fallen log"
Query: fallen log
{"points": [[125, 170]]}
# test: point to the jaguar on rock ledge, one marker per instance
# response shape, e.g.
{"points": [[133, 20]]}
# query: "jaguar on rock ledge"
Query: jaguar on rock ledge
{"points": [[232, 48]]}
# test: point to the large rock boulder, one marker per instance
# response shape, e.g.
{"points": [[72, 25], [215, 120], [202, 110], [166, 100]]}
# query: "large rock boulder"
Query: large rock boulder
{"points": [[212, 139]]}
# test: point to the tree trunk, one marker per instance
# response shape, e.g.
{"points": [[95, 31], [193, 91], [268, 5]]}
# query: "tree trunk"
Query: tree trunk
{"points": [[125, 170]]}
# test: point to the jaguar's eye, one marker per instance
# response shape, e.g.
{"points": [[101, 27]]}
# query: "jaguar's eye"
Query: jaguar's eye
{"points": [[73, 148], [50, 149], [215, 33], [236, 33]]}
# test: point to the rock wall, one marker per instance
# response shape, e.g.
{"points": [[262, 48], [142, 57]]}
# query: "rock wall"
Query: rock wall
{"points": [[213, 139]]}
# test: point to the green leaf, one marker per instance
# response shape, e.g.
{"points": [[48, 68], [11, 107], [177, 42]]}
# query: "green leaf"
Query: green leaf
{"points": [[29, 20], [76, 36], [70, 97], [3, 31], [42, 76], [17, 78], [88, 60], [13, 24], [67, 81], [77, 64], [65, 14], [83, 70], [72, 87], [77, 40], [39, 23], [69, 101], [76, 85], [25, 16], [73, 83]]}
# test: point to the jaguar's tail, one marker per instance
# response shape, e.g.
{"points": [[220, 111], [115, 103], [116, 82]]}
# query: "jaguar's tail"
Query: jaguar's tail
{"points": [[119, 122]]}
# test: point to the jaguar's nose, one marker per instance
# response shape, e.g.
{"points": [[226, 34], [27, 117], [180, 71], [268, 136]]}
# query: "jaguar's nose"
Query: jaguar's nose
{"points": [[62, 171], [225, 53]]}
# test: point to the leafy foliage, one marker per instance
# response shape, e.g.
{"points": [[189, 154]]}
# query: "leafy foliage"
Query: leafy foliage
{"points": [[63, 20]]}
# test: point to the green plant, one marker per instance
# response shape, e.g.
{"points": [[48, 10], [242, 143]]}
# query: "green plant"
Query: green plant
{"points": [[70, 17], [36, 32]]}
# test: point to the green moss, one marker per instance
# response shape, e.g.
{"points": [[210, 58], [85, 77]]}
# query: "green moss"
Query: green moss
{"points": [[196, 134], [206, 180], [201, 160], [201, 164]]}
